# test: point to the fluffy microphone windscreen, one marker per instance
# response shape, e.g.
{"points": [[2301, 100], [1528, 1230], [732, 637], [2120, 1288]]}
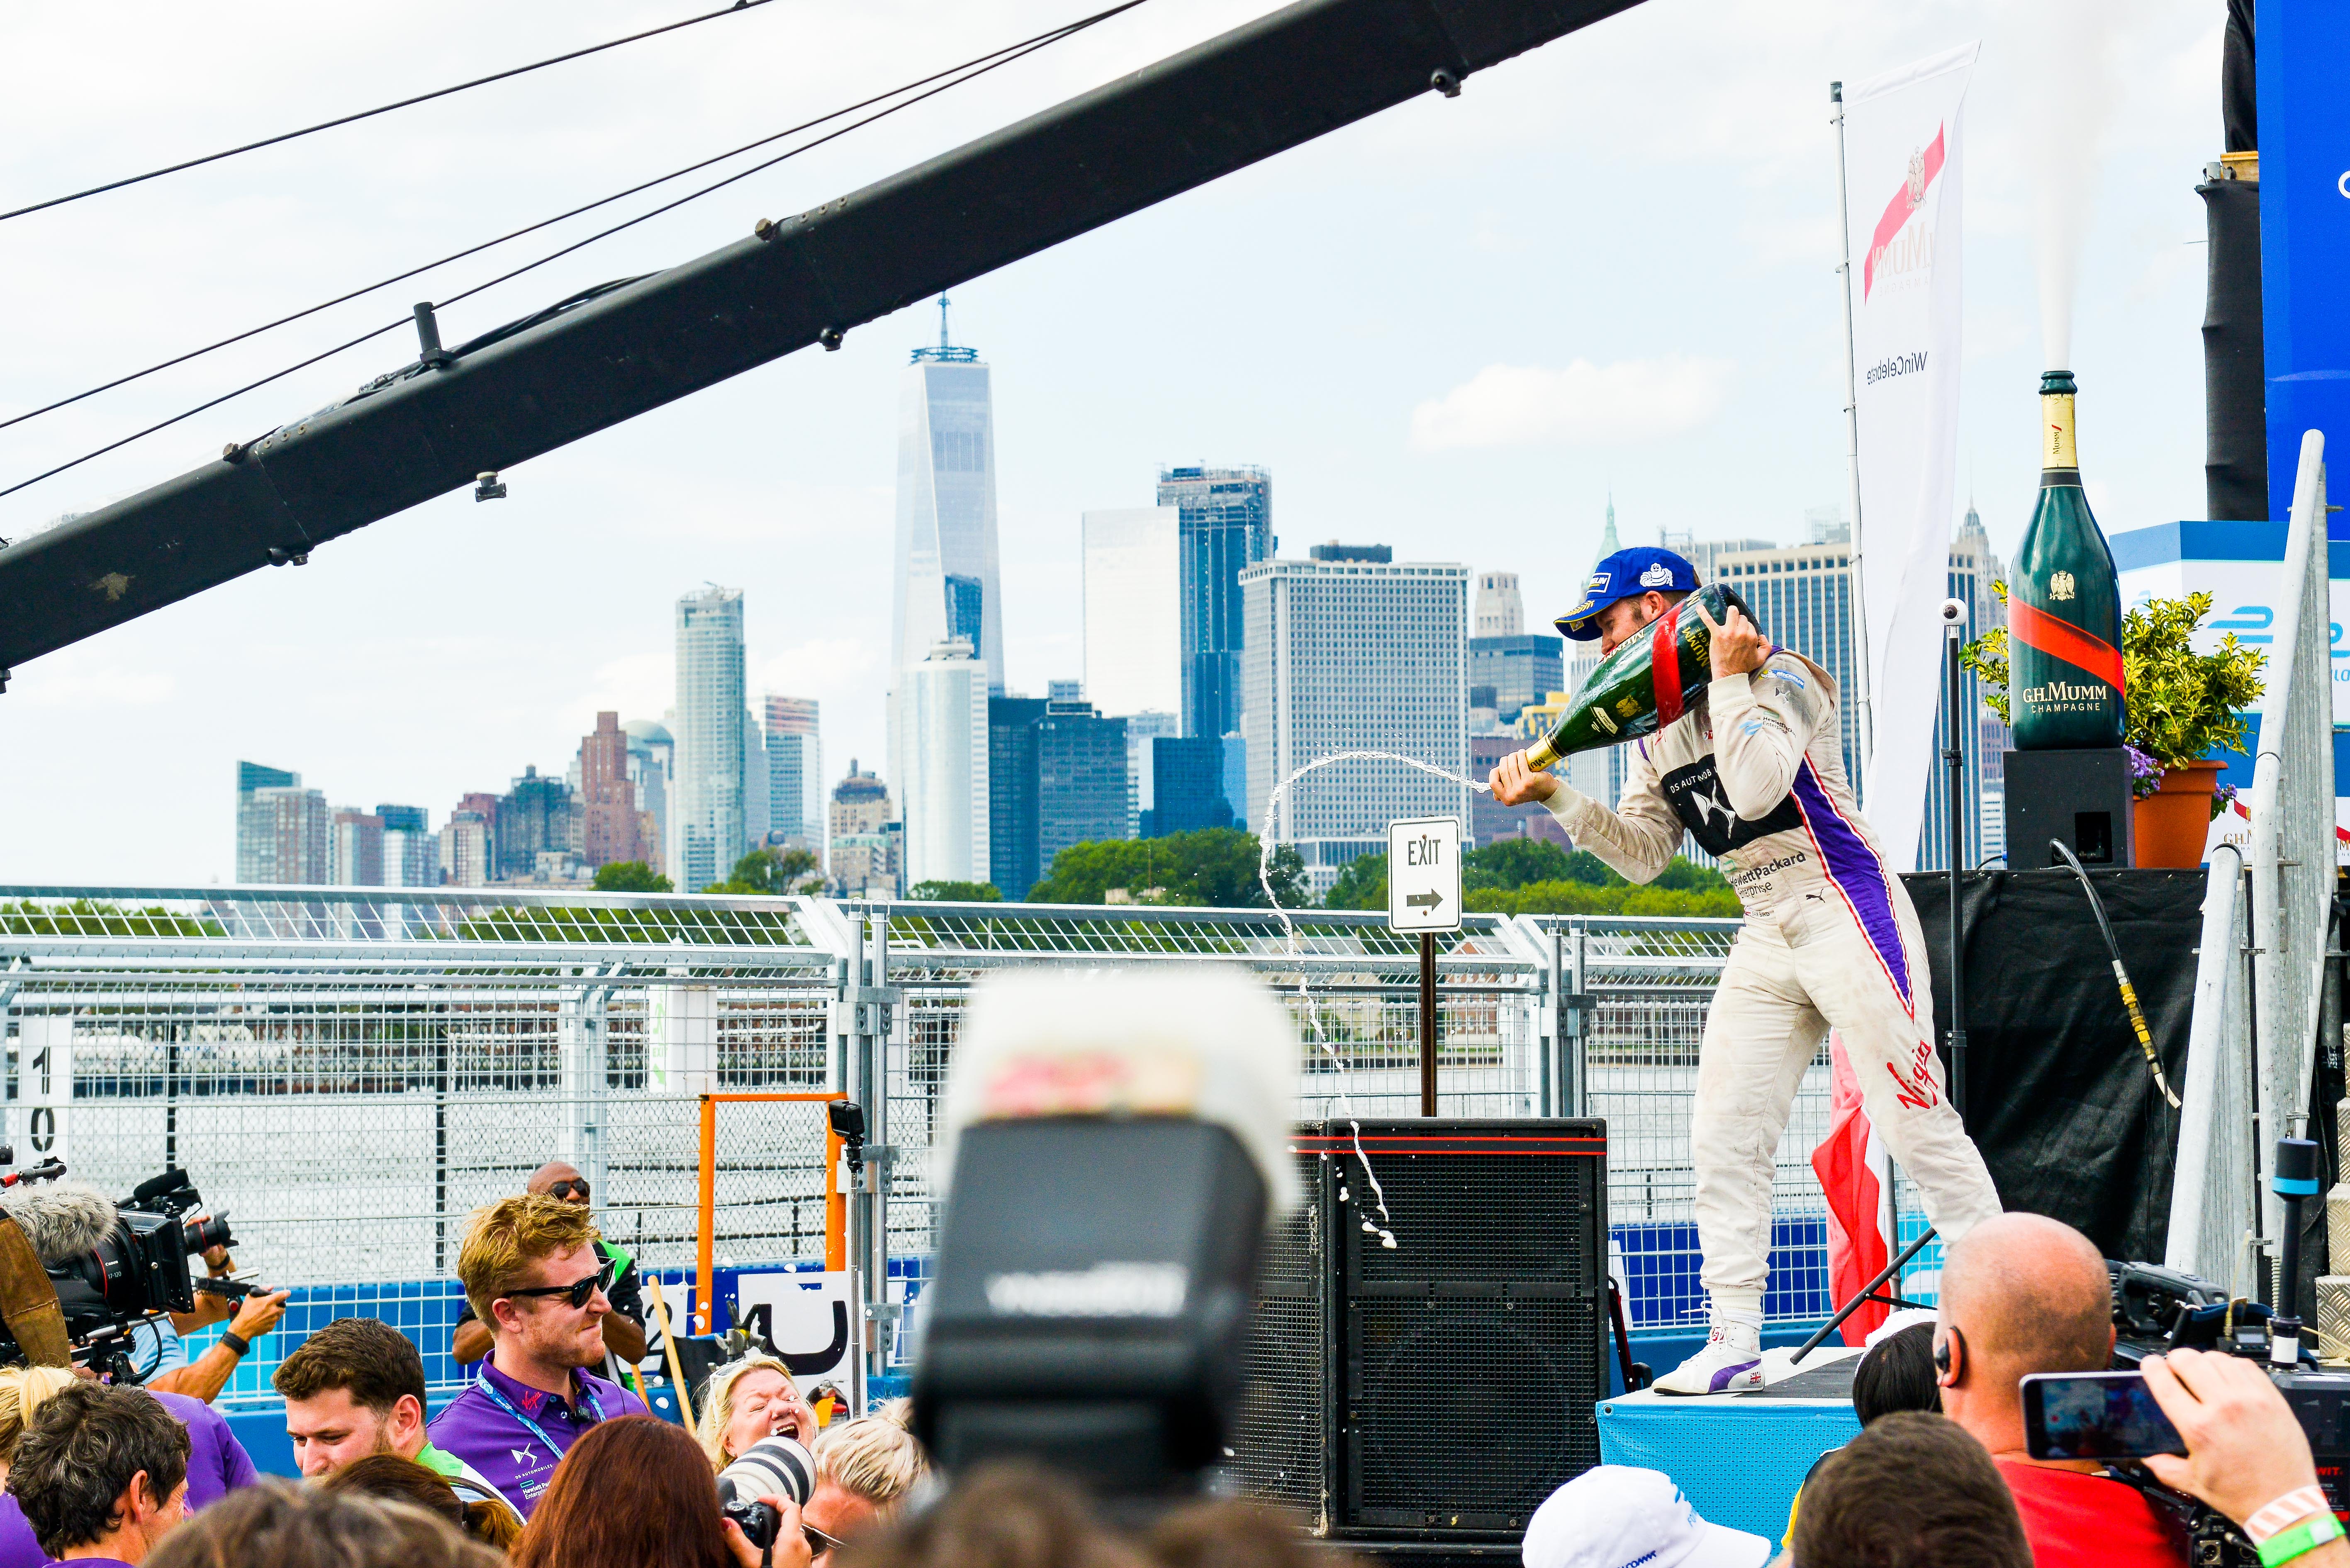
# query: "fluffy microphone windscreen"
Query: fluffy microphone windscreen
{"points": [[1210, 1044], [61, 1219]]}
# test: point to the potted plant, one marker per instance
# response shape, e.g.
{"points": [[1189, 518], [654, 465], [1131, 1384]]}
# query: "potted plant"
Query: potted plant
{"points": [[2180, 706]]}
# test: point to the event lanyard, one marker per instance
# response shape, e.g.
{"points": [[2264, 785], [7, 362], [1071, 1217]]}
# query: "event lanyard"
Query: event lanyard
{"points": [[595, 1408]]}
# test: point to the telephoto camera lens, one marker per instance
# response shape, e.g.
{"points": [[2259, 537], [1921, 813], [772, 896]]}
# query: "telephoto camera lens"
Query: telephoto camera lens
{"points": [[206, 1234], [779, 1467]]}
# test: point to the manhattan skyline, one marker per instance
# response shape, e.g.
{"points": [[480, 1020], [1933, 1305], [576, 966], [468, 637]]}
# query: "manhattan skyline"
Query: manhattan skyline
{"points": [[426, 653]]}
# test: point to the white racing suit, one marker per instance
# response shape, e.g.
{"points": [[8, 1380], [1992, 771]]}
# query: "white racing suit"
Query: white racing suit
{"points": [[1756, 773]]}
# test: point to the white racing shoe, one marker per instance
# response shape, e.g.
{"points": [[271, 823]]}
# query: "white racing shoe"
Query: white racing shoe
{"points": [[1731, 1363]]}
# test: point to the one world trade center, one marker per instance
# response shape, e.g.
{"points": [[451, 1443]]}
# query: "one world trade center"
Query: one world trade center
{"points": [[946, 569]]}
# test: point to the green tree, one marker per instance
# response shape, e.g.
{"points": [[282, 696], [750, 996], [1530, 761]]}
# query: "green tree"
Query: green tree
{"points": [[768, 873], [630, 877], [957, 892], [1362, 885], [1212, 867]]}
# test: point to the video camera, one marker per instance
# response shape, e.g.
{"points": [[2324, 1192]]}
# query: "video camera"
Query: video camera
{"points": [[2158, 1310], [113, 1265]]}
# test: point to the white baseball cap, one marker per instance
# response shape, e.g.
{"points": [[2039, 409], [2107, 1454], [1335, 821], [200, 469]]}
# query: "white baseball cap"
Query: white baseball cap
{"points": [[1614, 1516]]}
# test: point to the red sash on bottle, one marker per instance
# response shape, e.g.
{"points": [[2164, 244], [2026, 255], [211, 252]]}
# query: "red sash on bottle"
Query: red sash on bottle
{"points": [[2062, 640], [1664, 665]]}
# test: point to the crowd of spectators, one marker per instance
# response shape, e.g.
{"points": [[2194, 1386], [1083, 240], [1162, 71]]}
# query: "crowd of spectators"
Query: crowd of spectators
{"points": [[544, 1461]]}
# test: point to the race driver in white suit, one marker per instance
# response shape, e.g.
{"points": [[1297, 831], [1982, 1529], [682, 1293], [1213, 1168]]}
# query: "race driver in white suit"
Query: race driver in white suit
{"points": [[1754, 770]]}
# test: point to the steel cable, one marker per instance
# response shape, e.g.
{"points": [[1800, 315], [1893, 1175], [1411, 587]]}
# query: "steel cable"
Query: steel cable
{"points": [[969, 71], [385, 108]]}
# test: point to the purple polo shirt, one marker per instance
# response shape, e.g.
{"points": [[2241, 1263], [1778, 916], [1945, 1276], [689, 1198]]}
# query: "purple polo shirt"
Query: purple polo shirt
{"points": [[217, 1464], [502, 1449]]}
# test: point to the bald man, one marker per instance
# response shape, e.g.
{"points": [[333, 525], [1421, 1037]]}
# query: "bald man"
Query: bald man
{"points": [[2024, 1293], [624, 1329]]}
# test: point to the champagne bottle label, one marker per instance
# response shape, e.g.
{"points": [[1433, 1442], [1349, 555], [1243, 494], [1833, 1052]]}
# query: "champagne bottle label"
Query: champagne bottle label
{"points": [[2058, 449], [1644, 685]]}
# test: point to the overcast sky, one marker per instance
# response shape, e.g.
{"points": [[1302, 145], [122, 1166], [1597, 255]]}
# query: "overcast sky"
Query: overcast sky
{"points": [[1637, 223]]}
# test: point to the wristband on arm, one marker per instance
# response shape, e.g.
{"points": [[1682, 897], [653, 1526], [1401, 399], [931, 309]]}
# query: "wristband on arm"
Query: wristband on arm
{"points": [[237, 1343], [2311, 1534]]}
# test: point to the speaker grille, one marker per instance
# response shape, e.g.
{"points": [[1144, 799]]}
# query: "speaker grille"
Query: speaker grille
{"points": [[1470, 1352], [1279, 1440], [1463, 1407]]}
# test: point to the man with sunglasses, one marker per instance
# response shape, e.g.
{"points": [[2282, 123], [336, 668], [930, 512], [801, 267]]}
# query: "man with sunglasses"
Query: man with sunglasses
{"points": [[1754, 770], [624, 1330], [533, 1275]]}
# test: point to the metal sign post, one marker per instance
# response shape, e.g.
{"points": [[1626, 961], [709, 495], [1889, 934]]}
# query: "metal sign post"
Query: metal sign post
{"points": [[1424, 898]]}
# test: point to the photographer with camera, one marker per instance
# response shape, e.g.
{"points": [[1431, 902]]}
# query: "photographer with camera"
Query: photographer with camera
{"points": [[638, 1493], [2023, 1294], [157, 1343], [531, 1272], [2247, 1456]]}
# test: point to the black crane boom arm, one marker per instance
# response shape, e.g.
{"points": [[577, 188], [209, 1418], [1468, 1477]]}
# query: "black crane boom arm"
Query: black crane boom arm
{"points": [[1283, 79]]}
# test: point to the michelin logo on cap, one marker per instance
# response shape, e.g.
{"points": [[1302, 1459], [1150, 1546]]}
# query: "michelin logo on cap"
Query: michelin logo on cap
{"points": [[1640, 570]]}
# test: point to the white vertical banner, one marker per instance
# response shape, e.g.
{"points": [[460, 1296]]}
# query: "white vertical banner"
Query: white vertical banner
{"points": [[1902, 142], [44, 1084]]}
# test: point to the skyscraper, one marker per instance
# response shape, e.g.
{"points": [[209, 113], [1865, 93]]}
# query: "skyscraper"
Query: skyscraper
{"points": [[536, 818], [709, 730], [652, 758], [1081, 789], [939, 738], [466, 846], [1345, 653], [1608, 543], [354, 853], [755, 820], [1706, 554], [796, 800], [292, 841], [1012, 852], [1188, 789], [867, 839], [1133, 610], [254, 825], [412, 858], [1226, 526], [1501, 610], [1144, 731], [945, 573], [608, 798], [1521, 667]]}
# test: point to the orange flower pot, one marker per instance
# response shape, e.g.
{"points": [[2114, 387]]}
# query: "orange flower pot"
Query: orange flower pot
{"points": [[2173, 824]]}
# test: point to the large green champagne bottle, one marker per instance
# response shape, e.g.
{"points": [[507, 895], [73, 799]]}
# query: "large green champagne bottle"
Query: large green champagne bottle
{"points": [[2063, 604], [1625, 698]]}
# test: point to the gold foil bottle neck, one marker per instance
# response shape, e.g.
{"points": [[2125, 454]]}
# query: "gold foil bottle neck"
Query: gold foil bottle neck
{"points": [[2057, 447]]}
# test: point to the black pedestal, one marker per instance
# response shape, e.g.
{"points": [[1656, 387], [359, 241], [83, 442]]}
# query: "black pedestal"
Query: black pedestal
{"points": [[2082, 797]]}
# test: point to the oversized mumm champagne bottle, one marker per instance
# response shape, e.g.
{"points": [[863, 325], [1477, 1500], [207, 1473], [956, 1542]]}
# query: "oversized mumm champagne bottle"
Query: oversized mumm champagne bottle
{"points": [[1645, 684], [2063, 604]]}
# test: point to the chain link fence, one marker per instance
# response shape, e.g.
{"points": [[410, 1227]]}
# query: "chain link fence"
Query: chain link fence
{"points": [[349, 1072]]}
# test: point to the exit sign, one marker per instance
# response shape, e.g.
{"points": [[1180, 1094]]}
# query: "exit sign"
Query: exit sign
{"points": [[1424, 874]]}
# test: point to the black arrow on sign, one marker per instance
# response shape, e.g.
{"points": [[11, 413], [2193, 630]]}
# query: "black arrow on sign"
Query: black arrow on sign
{"points": [[1430, 901]]}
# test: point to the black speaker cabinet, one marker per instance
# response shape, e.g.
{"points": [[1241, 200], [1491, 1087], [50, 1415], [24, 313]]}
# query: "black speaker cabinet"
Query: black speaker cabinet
{"points": [[1429, 1396]]}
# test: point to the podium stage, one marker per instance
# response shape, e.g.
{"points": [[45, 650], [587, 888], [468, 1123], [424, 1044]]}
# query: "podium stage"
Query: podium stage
{"points": [[1739, 1457]]}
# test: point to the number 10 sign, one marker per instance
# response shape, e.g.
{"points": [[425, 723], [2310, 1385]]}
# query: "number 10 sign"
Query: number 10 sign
{"points": [[44, 1085]]}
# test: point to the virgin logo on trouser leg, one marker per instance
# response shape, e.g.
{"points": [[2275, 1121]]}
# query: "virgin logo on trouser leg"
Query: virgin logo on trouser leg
{"points": [[1917, 1091]]}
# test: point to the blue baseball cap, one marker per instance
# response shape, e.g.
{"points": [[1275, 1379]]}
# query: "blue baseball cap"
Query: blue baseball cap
{"points": [[1626, 574]]}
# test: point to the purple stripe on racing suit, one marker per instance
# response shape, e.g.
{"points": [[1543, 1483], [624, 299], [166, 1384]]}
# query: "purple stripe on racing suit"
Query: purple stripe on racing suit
{"points": [[1856, 871]]}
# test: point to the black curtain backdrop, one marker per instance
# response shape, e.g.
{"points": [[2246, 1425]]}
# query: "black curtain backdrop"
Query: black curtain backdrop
{"points": [[2058, 1095]]}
